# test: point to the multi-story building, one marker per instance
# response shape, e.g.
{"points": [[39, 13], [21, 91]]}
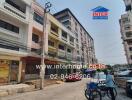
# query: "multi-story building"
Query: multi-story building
{"points": [[59, 44], [14, 19], [84, 43], [21, 32], [126, 30]]}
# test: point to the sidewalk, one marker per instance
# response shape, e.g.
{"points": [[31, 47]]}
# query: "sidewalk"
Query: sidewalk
{"points": [[21, 88], [13, 89]]}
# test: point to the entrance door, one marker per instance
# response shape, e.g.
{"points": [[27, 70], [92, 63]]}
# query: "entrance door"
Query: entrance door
{"points": [[4, 71], [14, 71]]}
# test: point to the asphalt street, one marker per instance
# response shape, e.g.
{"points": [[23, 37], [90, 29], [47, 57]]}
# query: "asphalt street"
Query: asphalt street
{"points": [[64, 91]]}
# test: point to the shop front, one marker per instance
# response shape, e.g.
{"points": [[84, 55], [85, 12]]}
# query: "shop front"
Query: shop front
{"points": [[30, 68], [9, 71], [50, 68]]}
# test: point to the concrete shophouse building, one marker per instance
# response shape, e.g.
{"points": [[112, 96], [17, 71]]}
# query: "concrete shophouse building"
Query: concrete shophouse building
{"points": [[126, 30], [21, 31], [59, 45], [14, 19]]}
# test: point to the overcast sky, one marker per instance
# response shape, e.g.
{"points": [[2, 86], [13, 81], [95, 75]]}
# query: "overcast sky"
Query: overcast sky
{"points": [[106, 33]]}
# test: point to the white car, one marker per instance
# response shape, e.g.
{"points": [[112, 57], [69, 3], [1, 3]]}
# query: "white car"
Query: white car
{"points": [[123, 73], [99, 78]]}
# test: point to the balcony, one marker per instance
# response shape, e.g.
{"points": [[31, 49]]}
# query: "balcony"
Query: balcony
{"points": [[10, 47], [61, 54], [72, 43], [54, 31], [15, 9], [128, 27], [51, 48], [69, 56], [64, 36], [35, 45], [129, 42], [51, 45], [128, 36], [52, 54], [78, 58], [64, 39], [35, 51]]}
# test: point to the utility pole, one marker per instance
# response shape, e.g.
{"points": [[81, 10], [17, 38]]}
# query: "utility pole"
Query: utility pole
{"points": [[42, 70]]}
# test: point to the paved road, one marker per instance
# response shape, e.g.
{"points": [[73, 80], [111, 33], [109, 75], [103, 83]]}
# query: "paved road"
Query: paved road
{"points": [[65, 91]]}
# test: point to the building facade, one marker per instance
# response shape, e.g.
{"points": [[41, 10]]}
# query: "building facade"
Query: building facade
{"points": [[21, 32], [59, 44], [126, 30], [84, 43], [14, 18]]}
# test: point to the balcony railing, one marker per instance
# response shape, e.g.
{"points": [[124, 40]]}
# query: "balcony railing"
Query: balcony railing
{"points": [[54, 33], [13, 45], [69, 56], [61, 54], [65, 39], [52, 54], [72, 43]]}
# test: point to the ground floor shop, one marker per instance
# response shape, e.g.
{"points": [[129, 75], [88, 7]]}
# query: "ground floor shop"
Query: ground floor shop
{"points": [[29, 68], [9, 69], [20, 69]]}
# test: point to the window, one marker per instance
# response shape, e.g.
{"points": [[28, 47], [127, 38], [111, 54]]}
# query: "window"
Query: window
{"points": [[69, 50], [66, 22], [64, 17], [128, 34], [9, 27], [51, 43], [127, 27], [77, 46], [78, 52], [69, 27], [76, 34], [76, 27], [131, 57], [130, 48], [71, 39], [9, 47], [81, 29], [35, 38], [124, 20], [61, 47], [54, 28], [38, 18], [64, 34], [129, 42], [76, 40], [18, 5], [128, 8]]}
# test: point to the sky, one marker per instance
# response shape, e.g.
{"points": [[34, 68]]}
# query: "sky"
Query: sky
{"points": [[106, 33]]}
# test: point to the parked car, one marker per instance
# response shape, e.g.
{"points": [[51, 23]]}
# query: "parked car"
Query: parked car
{"points": [[99, 78], [129, 88], [73, 77]]}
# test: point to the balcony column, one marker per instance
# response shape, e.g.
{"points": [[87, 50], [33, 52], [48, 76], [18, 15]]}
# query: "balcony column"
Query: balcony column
{"points": [[28, 11], [30, 30], [59, 32]]}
